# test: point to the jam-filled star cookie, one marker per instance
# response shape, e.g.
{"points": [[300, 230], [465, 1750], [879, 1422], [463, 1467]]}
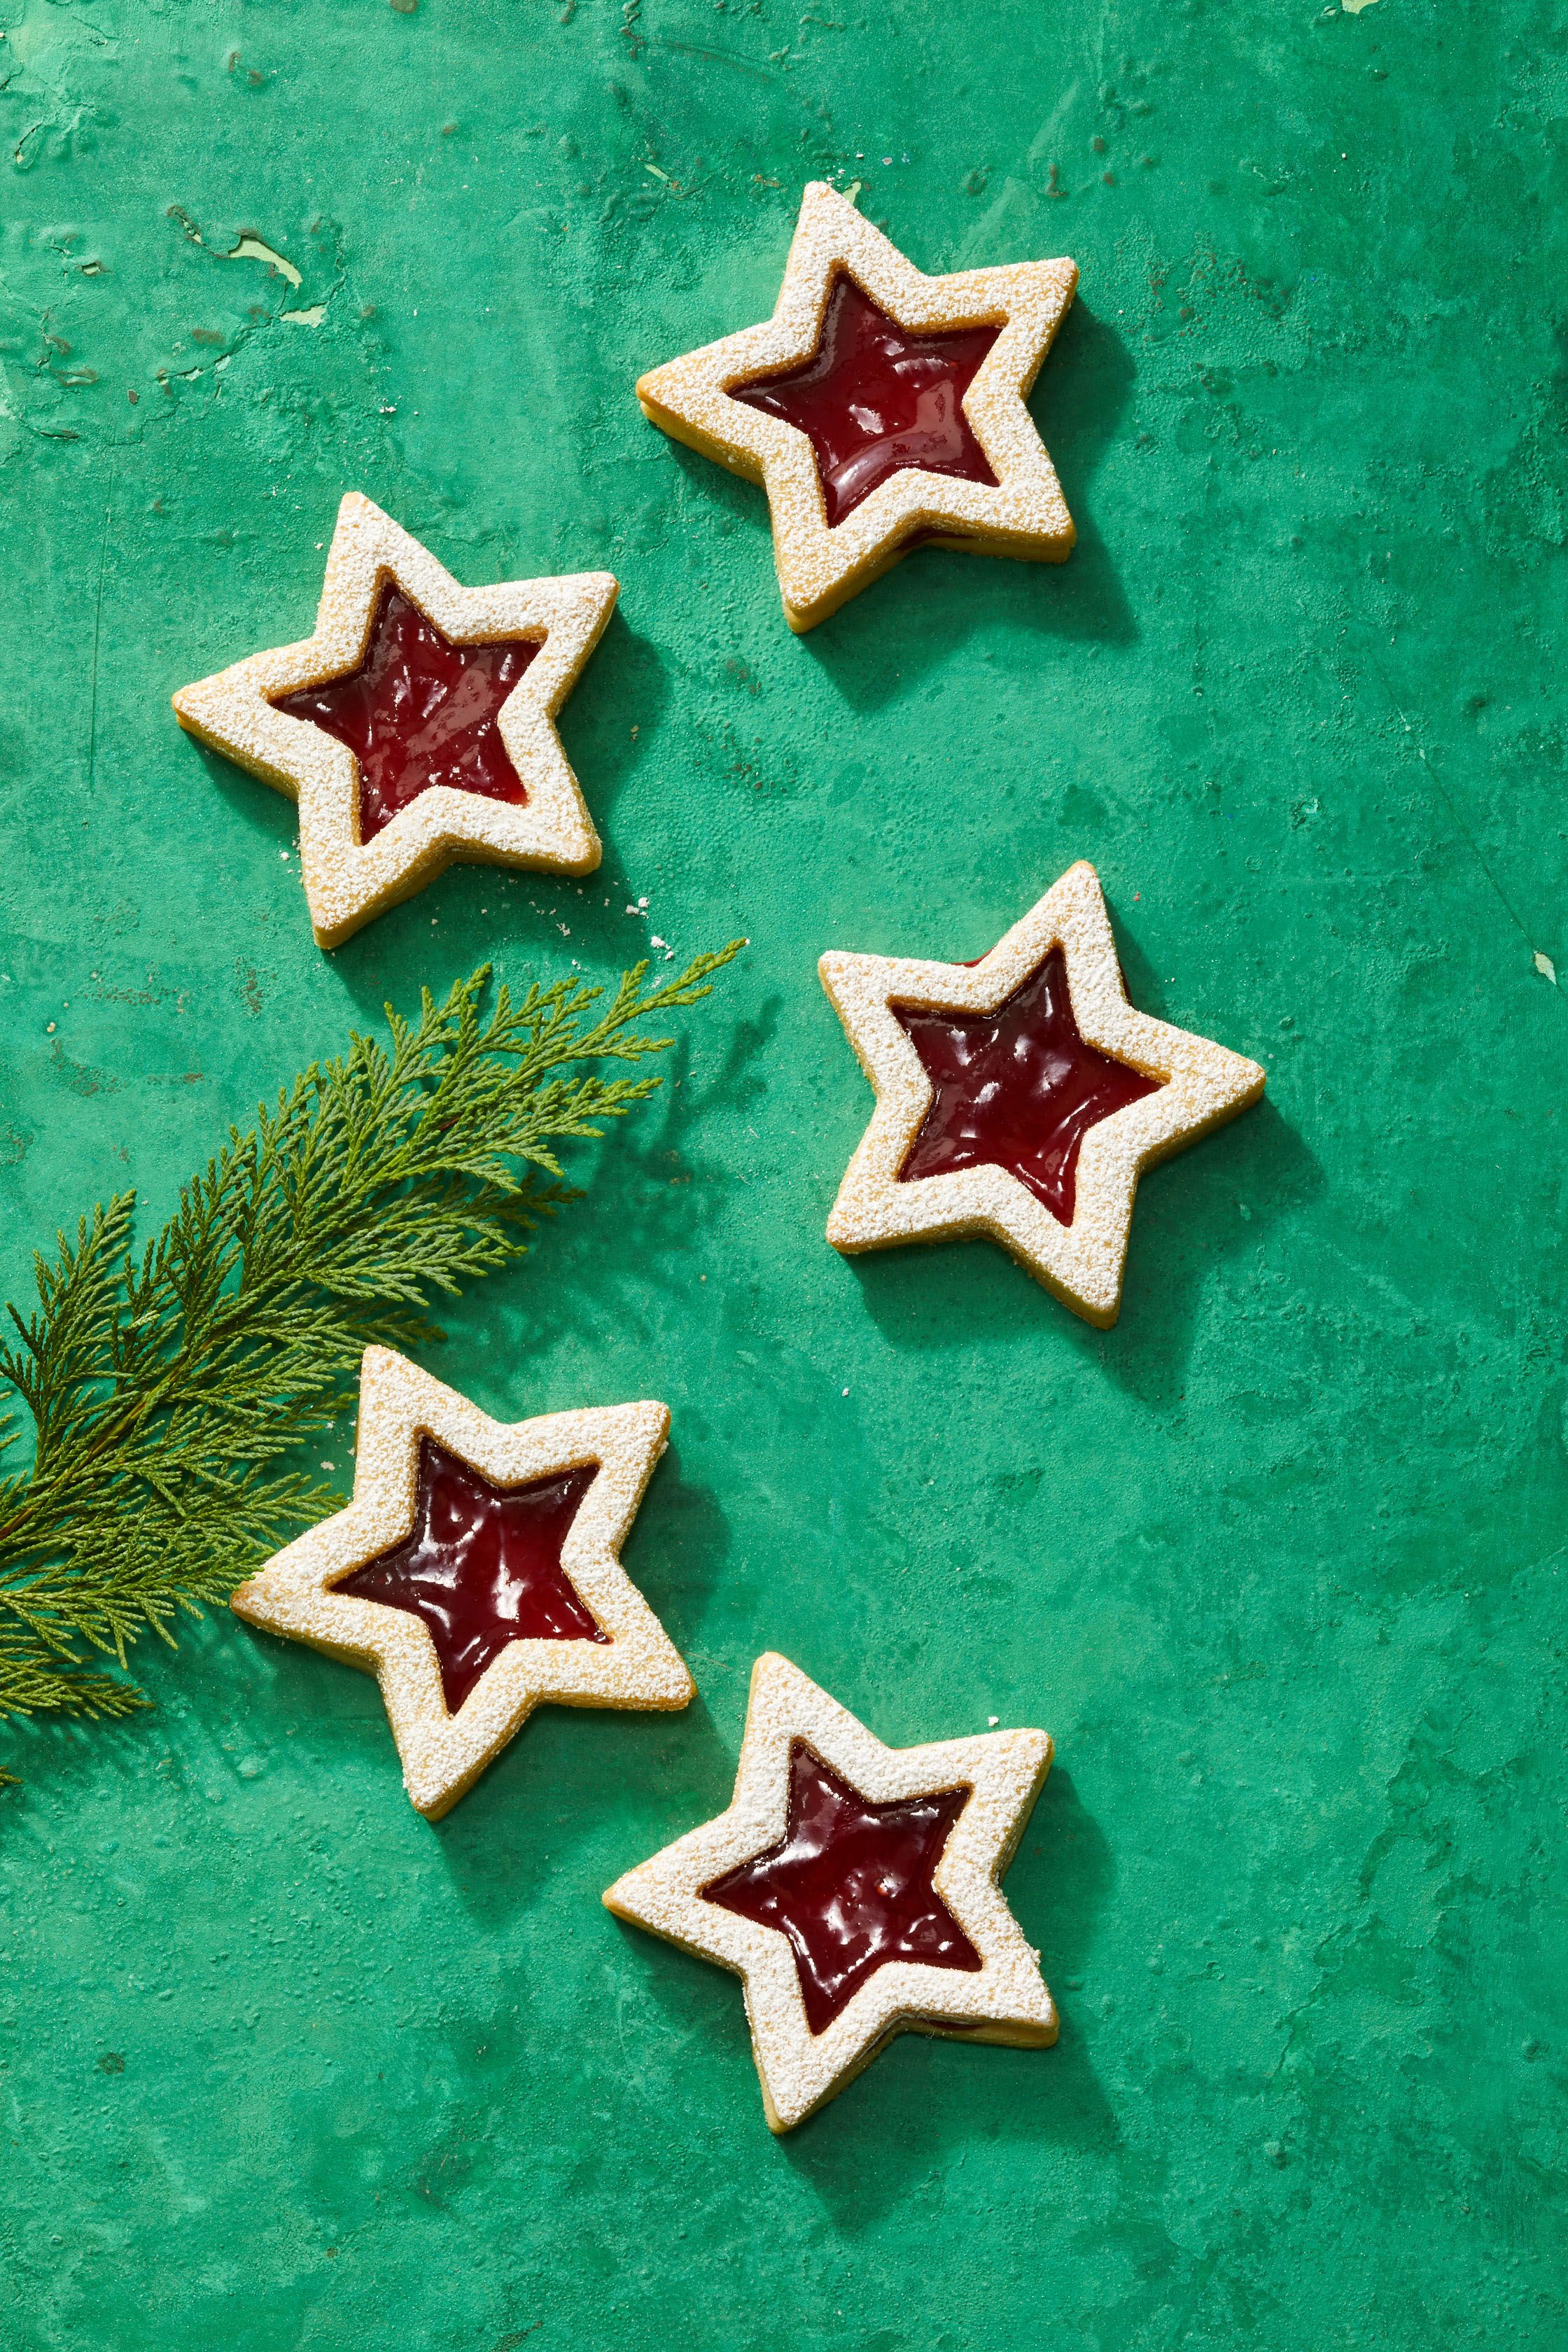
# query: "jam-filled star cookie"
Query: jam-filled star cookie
{"points": [[854, 1889], [1022, 1097], [415, 727], [879, 407], [477, 1572]]}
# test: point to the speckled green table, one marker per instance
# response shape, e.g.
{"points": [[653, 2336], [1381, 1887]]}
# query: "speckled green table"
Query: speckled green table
{"points": [[1278, 1561]]}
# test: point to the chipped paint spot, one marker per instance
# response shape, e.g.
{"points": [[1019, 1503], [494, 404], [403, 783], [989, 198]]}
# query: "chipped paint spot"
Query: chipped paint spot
{"points": [[310, 317], [1543, 964], [1354, 7], [248, 247]]}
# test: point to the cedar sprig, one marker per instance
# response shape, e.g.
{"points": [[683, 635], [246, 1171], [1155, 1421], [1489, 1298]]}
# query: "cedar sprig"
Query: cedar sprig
{"points": [[171, 1391]]}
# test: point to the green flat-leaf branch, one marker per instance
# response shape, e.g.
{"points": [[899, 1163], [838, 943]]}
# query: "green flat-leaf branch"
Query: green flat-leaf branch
{"points": [[169, 1389]]}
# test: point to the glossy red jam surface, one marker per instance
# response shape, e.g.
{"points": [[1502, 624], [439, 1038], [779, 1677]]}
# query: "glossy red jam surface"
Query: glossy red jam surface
{"points": [[481, 1567], [851, 1886], [1016, 1089], [877, 398], [418, 711]]}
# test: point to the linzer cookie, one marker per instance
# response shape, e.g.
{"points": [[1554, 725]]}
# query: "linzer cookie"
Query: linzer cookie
{"points": [[415, 725], [854, 1889], [1022, 1097], [477, 1572], [879, 407]]}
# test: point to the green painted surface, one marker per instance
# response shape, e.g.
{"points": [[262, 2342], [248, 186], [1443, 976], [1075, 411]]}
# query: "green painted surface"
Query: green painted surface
{"points": [[1280, 1560]]}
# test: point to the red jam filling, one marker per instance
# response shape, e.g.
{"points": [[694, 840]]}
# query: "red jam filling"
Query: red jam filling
{"points": [[482, 1566], [1016, 1089], [418, 711], [875, 398], [851, 1886]]}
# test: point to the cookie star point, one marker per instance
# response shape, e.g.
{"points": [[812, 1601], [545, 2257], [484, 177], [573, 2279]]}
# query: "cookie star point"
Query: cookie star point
{"points": [[483, 778], [927, 436], [475, 1572], [854, 1889], [1022, 1097]]}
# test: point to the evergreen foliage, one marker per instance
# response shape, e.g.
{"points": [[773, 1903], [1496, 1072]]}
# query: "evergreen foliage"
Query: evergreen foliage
{"points": [[171, 1391]]}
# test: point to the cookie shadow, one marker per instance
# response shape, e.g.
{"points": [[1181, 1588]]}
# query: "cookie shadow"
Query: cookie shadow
{"points": [[572, 1770], [937, 598], [1203, 1210], [260, 808], [912, 618], [923, 2102], [1208, 1210], [608, 720], [581, 1795]]}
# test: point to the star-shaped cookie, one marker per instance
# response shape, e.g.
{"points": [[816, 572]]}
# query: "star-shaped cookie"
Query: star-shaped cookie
{"points": [[879, 407], [415, 725], [854, 1889], [477, 1572], [1022, 1097]]}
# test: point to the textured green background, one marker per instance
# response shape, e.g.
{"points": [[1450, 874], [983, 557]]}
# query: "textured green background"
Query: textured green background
{"points": [[1278, 1561]]}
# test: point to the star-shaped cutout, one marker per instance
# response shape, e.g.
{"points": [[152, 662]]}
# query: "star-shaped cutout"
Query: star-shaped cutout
{"points": [[415, 725], [477, 1572], [879, 407], [852, 1885], [482, 1566], [855, 1888], [1022, 1097], [877, 400]]}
